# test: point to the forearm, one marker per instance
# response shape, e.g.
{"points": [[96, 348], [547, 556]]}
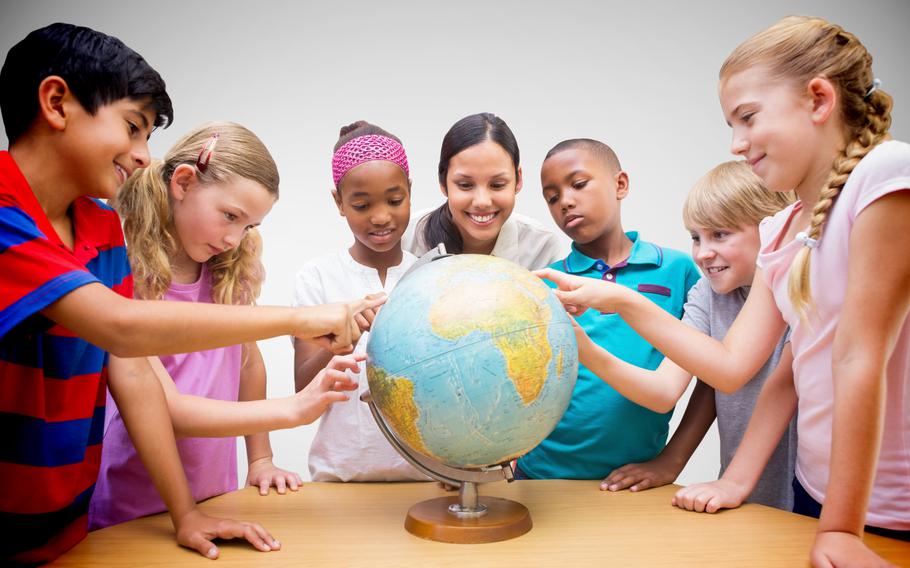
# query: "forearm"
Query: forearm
{"points": [[642, 386], [142, 404], [200, 417], [700, 414], [859, 398], [150, 327], [722, 366], [134, 328], [252, 388]]}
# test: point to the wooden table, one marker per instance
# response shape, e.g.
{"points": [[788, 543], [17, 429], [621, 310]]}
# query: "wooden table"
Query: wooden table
{"points": [[575, 524]]}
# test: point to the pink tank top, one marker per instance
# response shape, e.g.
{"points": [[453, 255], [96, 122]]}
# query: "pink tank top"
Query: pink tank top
{"points": [[124, 490]]}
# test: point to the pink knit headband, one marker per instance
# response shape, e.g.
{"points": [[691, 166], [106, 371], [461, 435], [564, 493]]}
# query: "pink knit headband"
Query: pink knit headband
{"points": [[367, 148]]}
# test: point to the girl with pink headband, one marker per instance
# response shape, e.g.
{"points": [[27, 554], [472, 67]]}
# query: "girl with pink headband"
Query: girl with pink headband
{"points": [[373, 193]]}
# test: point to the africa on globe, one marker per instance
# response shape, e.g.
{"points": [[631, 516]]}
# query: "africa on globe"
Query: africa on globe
{"points": [[472, 361]]}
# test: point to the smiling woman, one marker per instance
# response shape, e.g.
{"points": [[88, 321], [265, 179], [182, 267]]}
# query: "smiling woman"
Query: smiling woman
{"points": [[480, 175]]}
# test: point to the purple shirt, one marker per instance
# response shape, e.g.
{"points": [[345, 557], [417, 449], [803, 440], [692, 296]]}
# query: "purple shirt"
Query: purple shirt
{"points": [[124, 489]]}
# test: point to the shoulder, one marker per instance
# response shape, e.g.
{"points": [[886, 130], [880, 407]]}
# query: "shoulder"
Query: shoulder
{"points": [[884, 169], [672, 259], [412, 240], [320, 265], [13, 187], [102, 218], [697, 309], [317, 277], [537, 245], [672, 268], [418, 220], [530, 226], [526, 222], [888, 159]]}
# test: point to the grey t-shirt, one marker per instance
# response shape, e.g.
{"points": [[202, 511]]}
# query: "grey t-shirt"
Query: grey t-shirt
{"points": [[713, 314]]}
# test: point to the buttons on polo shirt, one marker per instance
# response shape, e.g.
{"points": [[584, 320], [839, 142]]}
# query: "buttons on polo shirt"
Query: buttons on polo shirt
{"points": [[610, 276], [599, 266]]}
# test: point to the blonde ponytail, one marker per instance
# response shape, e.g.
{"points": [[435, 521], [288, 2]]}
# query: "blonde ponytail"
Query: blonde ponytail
{"points": [[798, 49]]}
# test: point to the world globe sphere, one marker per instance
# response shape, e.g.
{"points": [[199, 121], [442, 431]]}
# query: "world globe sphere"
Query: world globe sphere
{"points": [[471, 361]]}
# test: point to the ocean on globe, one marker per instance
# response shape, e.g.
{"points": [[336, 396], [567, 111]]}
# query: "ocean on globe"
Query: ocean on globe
{"points": [[472, 360]]}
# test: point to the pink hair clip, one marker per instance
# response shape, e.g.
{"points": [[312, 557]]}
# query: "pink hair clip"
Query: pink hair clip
{"points": [[202, 162]]}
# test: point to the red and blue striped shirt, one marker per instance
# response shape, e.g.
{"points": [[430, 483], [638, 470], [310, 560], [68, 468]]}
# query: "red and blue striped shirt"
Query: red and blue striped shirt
{"points": [[52, 383]]}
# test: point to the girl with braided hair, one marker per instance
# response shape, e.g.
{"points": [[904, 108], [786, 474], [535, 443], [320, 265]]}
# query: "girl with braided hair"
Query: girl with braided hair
{"points": [[807, 114]]}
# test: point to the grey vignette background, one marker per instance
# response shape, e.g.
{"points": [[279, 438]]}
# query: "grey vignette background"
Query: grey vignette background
{"points": [[640, 76]]}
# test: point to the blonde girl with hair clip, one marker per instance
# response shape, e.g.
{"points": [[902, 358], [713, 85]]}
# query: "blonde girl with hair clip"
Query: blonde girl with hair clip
{"points": [[722, 213], [808, 114], [190, 224]]}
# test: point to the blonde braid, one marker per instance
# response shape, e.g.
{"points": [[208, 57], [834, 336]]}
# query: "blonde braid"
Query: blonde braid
{"points": [[878, 121], [798, 49]]}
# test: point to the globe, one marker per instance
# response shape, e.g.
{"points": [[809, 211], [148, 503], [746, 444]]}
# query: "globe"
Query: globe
{"points": [[471, 361]]}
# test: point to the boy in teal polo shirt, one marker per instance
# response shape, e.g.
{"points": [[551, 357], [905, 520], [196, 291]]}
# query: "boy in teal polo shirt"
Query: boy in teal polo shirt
{"points": [[583, 184]]}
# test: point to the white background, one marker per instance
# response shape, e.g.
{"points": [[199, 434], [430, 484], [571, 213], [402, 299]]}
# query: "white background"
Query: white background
{"points": [[641, 76]]}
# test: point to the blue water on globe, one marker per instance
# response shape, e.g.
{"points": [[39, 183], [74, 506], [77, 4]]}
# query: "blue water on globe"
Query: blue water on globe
{"points": [[472, 360]]}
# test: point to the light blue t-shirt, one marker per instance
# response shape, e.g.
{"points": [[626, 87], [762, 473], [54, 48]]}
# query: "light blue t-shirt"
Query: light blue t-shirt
{"points": [[602, 430]]}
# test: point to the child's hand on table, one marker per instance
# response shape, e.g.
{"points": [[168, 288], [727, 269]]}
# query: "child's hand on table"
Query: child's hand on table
{"points": [[710, 497], [196, 530], [640, 476], [264, 474]]}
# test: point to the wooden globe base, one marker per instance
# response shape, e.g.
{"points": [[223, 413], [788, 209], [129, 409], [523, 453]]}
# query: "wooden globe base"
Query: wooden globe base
{"points": [[432, 520]]}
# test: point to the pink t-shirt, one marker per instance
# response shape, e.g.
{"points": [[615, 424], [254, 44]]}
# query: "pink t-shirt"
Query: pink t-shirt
{"points": [[124, 489], [884, 170]]}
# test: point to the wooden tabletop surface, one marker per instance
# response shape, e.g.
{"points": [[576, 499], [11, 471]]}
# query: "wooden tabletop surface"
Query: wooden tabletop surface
{"points": [[575, 524]]}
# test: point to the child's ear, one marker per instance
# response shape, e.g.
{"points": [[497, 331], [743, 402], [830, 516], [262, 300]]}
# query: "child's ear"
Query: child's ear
{"points": [[824, 99], [409, 186], [183, 177], [518, 180], [53, 98], [622, 185], [337, 197]]}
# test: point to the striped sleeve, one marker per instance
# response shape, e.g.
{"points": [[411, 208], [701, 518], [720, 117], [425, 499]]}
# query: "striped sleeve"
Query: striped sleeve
{"points": [[34, 272]]}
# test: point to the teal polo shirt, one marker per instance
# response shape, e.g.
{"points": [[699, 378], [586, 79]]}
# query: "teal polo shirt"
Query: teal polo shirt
{"points": [[602, 430]]}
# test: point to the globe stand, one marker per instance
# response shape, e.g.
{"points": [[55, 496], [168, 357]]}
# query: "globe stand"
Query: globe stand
{"points": [[462, 519]]}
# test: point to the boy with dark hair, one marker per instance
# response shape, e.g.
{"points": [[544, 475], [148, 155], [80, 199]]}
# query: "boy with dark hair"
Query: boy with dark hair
{"points": [[78, 107], [583, 185]]}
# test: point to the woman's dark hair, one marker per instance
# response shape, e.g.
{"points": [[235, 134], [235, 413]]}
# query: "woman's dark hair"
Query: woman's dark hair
{"points": [[469, 131], [99, 69]]}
